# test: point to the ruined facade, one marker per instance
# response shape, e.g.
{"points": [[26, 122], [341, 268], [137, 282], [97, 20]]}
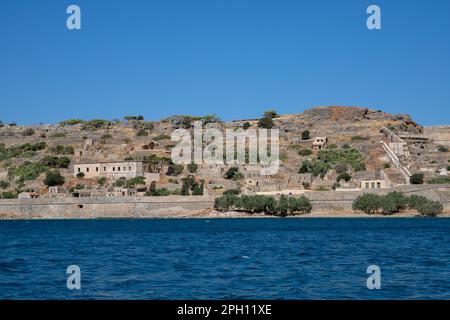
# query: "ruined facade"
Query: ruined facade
{"points": [[113, 170]]}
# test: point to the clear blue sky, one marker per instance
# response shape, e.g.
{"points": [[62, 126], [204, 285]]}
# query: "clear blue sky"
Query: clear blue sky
{"points": [[234, 58]]}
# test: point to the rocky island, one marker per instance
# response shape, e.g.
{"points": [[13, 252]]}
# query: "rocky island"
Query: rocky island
{"points": [[334, 161]]}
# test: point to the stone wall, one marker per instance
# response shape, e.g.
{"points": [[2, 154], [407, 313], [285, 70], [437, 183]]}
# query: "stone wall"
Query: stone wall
{"points": [[343, 200], [103, 207], [439, 134], [176, 206]]}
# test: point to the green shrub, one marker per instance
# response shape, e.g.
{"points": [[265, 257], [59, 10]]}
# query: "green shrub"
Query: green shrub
{"points": [[95, 124], [425, 206], [185, 188], [430, 208], [189, 184], [9, 195], [386, 165], [130, 118], [142, 133], [57, 135], [28, 171], [360, 138], [393, 202], [368, 203], [4, 184], [344, 176], [257, 204], [416, 178], [56, 162], [197, 190], [414, 201], [71, 122], [187, 121], [233, 173], [80, 175], [346, 146], [263, 204], [161, 137], [192, 167], [316, 167], [246, 125], [121, 182], [301, 205], [27, 154], [265, 123], [270, 114], [79, 186], [440, 180], [305, 152], [350, 157], [22, 151], [306, 135], [442, 149], [154, 192], [231, 192], [62, 150], [175, 169], [101, 180], [226, 203], [163, 192], [132, 182], [54, 178], [331, 146], [282, 207]]}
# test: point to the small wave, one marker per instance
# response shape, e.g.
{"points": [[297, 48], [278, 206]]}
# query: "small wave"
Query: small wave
{"points": [[239, 257]]}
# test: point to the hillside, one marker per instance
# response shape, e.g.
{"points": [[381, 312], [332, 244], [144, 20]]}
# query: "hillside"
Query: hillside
{"points": [[353, 135]]}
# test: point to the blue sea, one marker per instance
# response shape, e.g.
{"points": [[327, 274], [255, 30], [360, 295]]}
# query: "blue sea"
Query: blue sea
{"points": [[226, 258]]}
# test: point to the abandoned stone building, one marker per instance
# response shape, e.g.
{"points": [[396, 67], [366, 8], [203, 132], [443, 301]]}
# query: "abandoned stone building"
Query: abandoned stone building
{"points": [[28, 195], [92, 149], [374, 184], [121, 192], [114, 170], [319, 142], [57, 192]]}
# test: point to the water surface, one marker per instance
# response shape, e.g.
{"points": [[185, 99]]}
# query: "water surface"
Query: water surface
{"points": [[226, 258]]}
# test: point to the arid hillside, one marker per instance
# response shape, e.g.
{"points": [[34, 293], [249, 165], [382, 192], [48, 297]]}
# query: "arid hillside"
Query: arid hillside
{"points": [[322, 148]]}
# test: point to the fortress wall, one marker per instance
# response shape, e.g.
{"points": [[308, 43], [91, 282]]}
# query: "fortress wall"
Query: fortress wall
{"points": [[176, 206], [343, 200], [439, 134], [103, 207]]}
